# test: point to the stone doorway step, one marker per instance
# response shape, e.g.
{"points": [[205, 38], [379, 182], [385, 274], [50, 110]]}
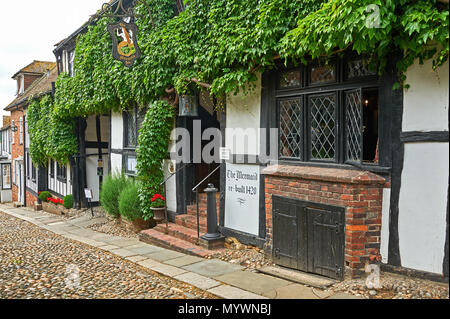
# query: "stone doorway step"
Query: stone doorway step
{"points": [[182, 235], [298, 276]]}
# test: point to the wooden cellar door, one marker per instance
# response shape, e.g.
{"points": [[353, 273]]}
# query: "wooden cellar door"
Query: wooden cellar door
{"points": [[309, 236]]}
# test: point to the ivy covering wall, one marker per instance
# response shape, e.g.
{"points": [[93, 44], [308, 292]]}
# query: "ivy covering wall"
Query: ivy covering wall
{"points": [[152, 151], [51, 136], [223, 44]]}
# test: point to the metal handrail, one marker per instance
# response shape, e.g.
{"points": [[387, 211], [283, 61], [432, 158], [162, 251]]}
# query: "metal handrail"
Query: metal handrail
{"points": [[209, 175], [195, 189], [172, 174], [165, 193]]}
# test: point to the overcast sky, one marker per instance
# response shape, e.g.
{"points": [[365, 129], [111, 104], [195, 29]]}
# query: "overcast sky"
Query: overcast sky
{"points": [[31, 28]]}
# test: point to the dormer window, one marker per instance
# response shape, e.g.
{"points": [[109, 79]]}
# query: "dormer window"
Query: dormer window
{"points": [[20, 85]]}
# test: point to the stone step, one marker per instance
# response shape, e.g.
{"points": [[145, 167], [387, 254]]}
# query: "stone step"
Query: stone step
{"points": [[190, 221], [179, 232], [154, 237]]}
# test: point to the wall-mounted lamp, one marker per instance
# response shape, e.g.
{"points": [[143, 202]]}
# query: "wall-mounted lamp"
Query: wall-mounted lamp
{"points": [[14, 128], [188, 105]]}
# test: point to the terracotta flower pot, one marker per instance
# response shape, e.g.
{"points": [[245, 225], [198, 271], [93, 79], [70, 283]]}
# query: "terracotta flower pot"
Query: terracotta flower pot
{"points": [[159, 213]]}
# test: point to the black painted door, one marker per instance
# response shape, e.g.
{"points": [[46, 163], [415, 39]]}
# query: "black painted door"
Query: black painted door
{"points": [[309, 236], [285, 233]]}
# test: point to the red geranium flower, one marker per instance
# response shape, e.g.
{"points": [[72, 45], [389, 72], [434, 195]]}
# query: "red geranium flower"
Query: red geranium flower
{"points": [[158, 196]]}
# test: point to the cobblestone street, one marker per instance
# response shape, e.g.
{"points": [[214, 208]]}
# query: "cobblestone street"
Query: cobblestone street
{"points": [[37, 263]]}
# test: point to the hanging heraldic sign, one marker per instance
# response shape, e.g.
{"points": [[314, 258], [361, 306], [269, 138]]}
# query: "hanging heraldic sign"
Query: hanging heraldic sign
{"points": [[125, 47]]}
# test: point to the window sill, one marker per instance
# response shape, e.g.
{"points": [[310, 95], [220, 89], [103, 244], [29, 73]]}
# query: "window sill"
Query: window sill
{"points": [[340, 175]]}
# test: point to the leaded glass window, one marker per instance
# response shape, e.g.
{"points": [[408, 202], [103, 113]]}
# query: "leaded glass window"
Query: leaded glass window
{"points": [[353, 125], [134, 117], [322, 74], [327, 118], [131, 136], [323, 123], [358, 68], [291, 128], [290, 79]]}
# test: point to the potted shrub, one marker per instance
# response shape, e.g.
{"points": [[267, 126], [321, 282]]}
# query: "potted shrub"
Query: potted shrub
{"points": [[130, 209], [158, 206]]}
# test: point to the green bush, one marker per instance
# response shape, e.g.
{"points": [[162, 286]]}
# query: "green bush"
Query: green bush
{"points": [[68, 201], [129, 204], [112, 186], [44, 195]]}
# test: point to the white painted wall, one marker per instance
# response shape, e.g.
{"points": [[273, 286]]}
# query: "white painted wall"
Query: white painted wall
{"points": [[244, 112], [92, 178], [116, 163], [116, 130], [57, 186], [426, 101], [171, 187], [384, 245], [422, 206]]}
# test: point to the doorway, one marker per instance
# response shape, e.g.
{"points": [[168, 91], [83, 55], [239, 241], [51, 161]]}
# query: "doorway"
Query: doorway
{"points": [[20, 182]]}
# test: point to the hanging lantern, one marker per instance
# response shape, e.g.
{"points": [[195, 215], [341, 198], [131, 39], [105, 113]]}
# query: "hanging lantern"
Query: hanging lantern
{"points": [[188, 105]]}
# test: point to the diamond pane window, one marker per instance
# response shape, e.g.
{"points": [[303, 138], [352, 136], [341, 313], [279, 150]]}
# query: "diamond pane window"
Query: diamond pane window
{"points": [[291, 128], [290, 79], [358, 68], [131, 128], [353, 125], [323, 123], [322, 74]]}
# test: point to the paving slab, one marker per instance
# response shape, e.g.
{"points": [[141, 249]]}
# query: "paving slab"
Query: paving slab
{"points": [[144, 250], [198, 281], [137, 258], [297, 276], [229, 292], [167, 270], [164, 254], [253, 282], [90, 222], [109, 240], [102, 237], [123, 242], [82, 232], [57, 223], [122, 252], [148, 263], [108, 247], [212, 268], [139, 245], [292, 291], [183, 261]]}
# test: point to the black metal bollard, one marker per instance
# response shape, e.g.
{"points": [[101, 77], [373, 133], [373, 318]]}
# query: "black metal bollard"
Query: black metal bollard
{"points": [[212, 230]]}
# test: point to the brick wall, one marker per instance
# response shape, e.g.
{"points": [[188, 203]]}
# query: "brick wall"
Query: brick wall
{"points": [[16, 150], [28, 79], [359, 192], [31, 199]]}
